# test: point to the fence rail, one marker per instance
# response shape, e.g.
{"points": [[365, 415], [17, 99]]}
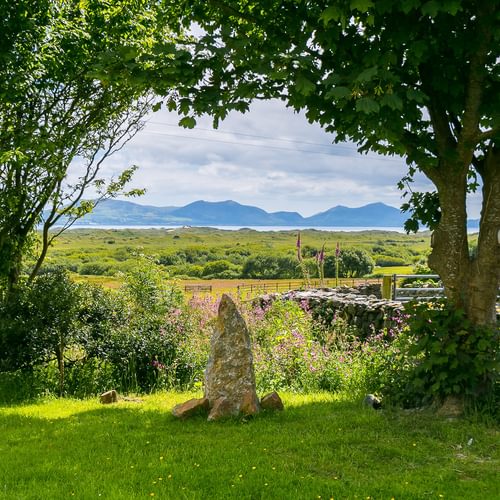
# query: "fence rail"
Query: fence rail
{"points": [[197, 288], [404, 294], [391, 290], [282, 286]]}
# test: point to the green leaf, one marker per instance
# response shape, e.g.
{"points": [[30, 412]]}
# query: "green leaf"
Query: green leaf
{"points": [[408, 5], [451, 6], [332, 13], [304, 86], [415, 95], [367, 105], [361, 5], [392, 101], [187, 122], [339, 93], [367, 74], [430, 8]]}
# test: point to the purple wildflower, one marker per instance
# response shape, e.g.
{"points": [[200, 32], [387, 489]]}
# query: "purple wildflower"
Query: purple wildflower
{"points": [[299, 252], [321, 257]]}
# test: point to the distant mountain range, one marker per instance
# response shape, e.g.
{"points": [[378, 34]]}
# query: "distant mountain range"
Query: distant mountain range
{"points": [[231, 213]]}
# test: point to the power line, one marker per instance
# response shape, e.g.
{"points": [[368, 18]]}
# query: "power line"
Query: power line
{"points": [[293, 141], [260, 146]]}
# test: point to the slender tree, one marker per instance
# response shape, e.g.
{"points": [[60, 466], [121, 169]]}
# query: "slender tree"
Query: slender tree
{"points": [[56, 115]]}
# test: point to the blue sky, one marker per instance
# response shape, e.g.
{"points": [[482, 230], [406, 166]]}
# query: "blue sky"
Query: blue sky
{"points": [[270, 157]]}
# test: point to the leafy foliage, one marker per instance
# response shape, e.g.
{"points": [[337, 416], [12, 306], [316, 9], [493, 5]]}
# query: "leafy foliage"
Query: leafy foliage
{"points": [[436, 352], [367, 72], [455, 357], [353, 263], [55, 113], [40, 323]]}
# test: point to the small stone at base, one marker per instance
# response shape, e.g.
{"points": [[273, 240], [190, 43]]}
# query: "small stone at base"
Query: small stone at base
{"points": [[272, 401], [190, 408]]}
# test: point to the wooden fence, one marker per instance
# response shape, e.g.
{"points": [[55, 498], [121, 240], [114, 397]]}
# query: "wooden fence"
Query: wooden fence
{"points": [[284, 286]]}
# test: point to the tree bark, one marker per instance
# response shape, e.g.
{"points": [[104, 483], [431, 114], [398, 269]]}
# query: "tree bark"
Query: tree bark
{"points": [[470, 282], [484, 277], [450, 251]]}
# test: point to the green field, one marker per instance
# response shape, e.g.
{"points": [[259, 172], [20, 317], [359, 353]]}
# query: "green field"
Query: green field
{"points": [[189, 252]]}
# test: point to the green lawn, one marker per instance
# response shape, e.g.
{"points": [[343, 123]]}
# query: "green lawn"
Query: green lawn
{"points": [[321, 446]]}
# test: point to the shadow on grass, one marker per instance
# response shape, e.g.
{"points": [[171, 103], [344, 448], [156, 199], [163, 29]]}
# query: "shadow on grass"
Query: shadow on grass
{"points": [[313, 448]]}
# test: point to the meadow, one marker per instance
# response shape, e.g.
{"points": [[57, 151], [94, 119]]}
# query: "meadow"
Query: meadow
{"points": [[208, 253]]}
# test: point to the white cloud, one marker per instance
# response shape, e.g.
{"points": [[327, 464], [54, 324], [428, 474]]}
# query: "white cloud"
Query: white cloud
{"points": [[270, 157]]}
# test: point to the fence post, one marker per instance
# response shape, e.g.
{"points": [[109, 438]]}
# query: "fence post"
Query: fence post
{"points": [[386, 287]]}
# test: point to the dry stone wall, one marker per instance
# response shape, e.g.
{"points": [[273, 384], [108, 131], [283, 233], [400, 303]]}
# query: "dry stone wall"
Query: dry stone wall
{"points": [[368, 313]]}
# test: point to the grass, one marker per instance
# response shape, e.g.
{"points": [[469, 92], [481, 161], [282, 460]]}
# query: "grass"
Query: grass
{"points": [[321, 446], [390, 270]]}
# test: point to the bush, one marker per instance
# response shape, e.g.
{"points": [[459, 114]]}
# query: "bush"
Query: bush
{"points": [[220, 269], [454, 357], [352, 263], [130, 340], [271, 267], [40, 322], [438, 354], [191, 270], [388, 261], [94, 269]]}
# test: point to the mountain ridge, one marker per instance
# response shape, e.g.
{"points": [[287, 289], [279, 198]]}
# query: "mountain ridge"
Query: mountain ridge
{"points": [[232, 213]]}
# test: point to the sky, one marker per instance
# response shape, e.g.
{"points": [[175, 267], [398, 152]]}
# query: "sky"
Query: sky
{"points": [[270, 157]]}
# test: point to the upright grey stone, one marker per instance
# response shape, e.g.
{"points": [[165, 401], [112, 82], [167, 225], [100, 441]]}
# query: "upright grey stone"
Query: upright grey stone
{"points": [[229, 376]]}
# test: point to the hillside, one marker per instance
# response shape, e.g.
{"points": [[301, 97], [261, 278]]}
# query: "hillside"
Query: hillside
{"points": [[231, 213]]}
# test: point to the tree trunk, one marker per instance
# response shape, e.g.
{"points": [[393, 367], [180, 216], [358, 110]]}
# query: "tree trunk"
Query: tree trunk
{"points": [[450, 251], [470, 282], [485, 267]]}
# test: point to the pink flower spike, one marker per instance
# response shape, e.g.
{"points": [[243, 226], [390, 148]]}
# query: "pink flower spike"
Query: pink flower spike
{"points": [[299, 253], [337, 250], [322, 254]]}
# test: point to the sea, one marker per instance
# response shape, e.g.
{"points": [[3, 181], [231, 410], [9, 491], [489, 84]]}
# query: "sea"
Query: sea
{"points": [[336, 229], [348, 229]]}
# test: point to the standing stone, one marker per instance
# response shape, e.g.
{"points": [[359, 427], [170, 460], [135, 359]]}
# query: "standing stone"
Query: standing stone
{"points": [[229, 376]]}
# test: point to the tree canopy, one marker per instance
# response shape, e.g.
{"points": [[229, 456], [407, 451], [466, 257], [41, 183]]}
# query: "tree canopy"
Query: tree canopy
{"points": [[419, 79], [55, 114]]}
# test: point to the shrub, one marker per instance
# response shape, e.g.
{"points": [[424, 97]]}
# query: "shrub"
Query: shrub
{"points": [[94, 269], [388, 261], [352, 263], [454, 357], [271, 267], [221, 269], [438, 354], [40, 322], [191, 270]]}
